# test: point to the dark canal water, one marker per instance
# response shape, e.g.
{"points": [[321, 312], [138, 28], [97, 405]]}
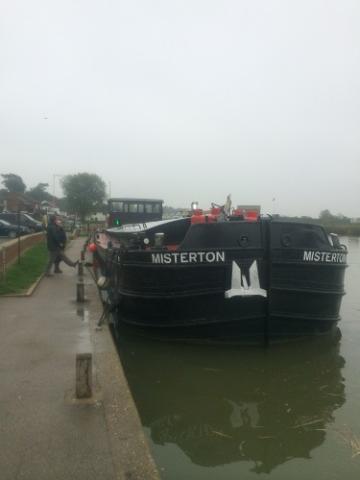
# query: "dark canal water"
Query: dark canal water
{"points": [[289, 411]]}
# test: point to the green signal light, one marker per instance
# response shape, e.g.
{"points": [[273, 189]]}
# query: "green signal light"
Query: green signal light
{"points": [[117, 222]]}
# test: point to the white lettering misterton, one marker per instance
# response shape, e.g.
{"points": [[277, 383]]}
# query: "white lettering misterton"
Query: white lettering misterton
{"points": [[308, 256], [210, 257], [188, 257], [325, 257]]}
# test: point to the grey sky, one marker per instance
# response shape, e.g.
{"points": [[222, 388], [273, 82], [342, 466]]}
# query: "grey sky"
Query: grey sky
{"points": [[186, 100]]}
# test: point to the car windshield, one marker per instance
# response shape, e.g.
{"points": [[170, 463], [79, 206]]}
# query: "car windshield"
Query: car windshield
{"points": [[31, 219], [4, 222]]}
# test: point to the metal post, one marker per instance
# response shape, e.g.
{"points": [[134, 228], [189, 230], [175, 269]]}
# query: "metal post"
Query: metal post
{"points": [[80, 269], [80, 292], [83, 375]]}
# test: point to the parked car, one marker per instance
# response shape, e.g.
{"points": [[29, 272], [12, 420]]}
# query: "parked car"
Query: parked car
{"points": [[26, 220], [12, 231]]}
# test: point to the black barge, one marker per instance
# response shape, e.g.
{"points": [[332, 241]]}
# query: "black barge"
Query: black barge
{"points": [[213, 276]]}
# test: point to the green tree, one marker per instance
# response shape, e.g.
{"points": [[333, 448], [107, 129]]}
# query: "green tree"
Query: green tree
{"points": [[85, 193], [39, 192], [326, 216], [62, 203], [13, 183]]}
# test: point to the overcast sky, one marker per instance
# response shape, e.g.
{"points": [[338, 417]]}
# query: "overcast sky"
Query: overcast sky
{"points": [[186, 100]]}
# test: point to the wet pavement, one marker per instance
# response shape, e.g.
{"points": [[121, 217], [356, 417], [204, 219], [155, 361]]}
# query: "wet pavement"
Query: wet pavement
{"points": [[45, 432]]}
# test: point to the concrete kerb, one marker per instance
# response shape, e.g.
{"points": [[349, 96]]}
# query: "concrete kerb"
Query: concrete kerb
{"points": [[130, 450]]}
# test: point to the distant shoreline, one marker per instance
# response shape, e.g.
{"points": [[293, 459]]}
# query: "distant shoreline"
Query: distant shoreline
{"points": [[343, 228]]}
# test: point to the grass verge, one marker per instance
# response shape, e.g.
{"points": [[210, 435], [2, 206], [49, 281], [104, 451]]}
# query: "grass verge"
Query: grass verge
{"points": [[20, 277]]}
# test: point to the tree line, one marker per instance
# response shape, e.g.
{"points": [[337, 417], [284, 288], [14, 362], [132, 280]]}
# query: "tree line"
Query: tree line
{"points": [[339, 223], [85, 193]]}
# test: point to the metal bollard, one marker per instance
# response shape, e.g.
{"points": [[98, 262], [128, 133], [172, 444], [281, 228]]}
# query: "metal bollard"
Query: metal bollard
{"points": [[80, 269], [80, 292], [83, 388]]}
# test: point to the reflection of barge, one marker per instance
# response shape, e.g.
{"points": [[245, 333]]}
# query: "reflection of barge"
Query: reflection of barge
{"points": [[225, 405], [219, 276]]}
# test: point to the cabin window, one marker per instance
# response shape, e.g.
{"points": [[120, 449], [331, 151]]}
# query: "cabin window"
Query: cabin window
{"points": [[117, 206], [126, 207], [140, 207], [133, 208], [156, 208], [148, 207]]}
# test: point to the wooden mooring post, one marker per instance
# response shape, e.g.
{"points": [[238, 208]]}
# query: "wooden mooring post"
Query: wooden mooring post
{"points": [[83, 388]]}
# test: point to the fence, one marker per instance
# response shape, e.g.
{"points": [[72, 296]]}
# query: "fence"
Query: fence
{"points": [[9, 251]]}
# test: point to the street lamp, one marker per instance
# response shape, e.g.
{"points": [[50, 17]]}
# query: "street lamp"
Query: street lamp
{"points": [[55, 175]]}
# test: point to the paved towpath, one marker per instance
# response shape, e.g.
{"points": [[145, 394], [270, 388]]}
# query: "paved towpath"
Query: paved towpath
{"points": [[45, 433]]}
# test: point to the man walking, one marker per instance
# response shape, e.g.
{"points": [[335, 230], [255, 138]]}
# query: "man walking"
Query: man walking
{"points": [[56, 245], [62, 241]]}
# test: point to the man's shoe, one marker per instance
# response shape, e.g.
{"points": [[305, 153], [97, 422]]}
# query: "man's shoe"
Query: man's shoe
{"points": [[58, 271]]}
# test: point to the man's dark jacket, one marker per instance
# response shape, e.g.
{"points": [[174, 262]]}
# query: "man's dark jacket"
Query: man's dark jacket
{"points": [[56, 238]]}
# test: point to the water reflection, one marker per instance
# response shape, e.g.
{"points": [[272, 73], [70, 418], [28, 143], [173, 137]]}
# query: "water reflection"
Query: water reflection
{"points": [[83, 313], [223, 405], [353, 242]]}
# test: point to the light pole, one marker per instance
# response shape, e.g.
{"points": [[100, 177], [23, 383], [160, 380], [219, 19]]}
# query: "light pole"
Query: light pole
{"points": [[55, 175]]}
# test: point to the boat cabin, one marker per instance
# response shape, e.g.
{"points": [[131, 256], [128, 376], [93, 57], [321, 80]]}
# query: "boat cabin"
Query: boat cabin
{"points": [[122, 211]]}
